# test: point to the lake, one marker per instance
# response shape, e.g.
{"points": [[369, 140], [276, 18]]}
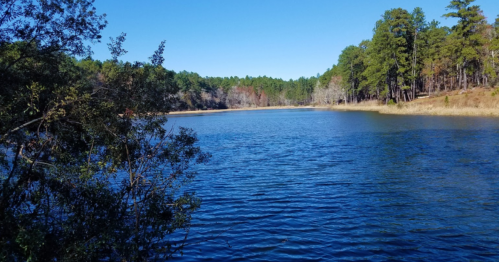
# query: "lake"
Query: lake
{"points": [[311, 185]]}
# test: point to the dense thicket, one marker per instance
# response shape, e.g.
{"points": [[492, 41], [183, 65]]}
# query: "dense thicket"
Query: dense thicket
{"points": [[88, 170], [406, 56]]}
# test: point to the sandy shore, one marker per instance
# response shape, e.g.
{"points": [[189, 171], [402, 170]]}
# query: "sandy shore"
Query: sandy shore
{"points": [[245, 109]]}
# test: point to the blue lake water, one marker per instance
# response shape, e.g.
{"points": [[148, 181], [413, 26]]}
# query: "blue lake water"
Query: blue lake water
{"points": [[311, 185]]}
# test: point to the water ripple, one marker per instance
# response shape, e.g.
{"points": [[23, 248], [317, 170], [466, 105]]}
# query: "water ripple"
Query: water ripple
{"points": [[311, 185]]}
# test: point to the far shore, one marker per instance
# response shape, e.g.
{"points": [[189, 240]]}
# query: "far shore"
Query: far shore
{"points": [[244, 109], [472, 102], [405, 109]]}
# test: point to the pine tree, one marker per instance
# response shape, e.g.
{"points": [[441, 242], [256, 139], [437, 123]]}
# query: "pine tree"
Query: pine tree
{"points": [[467, 35], [389, 55]]}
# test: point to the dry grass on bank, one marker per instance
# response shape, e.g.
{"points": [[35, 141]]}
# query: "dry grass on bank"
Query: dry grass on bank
{"points": [[473, 102], [363, 106]]}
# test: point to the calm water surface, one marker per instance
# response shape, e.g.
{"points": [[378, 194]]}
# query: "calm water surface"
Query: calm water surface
{"points": [[310, 185]]}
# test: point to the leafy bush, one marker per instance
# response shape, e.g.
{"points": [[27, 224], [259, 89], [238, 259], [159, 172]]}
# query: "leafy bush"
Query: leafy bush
{"points": [[88, 170]]}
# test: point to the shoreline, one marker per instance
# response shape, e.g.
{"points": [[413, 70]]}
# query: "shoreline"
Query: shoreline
{"points": [[245, 109], [472, 102], [477, 101], [406, 109], [410, 109]]}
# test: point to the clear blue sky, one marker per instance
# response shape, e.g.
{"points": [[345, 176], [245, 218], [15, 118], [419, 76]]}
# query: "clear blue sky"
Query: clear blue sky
{"points": [[277, 38]]}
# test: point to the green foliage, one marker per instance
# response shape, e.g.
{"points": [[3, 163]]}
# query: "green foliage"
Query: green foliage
{"points": [[466, 34], [325, 78], [351, 65], [300, 89], [491, 69], [446, 101], [495, 45], [193, 87], [406, 55], [50, 25], [88, 170], [391, 102], [388, 54]]}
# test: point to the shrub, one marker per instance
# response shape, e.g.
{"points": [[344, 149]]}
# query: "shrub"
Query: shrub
{"points": [[88, 170]]}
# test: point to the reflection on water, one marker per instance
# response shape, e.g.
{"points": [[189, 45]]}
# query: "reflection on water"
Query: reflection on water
{"points": [[302, 185]]}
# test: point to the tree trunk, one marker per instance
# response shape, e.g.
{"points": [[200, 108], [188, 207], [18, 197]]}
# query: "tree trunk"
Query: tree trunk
{"points": [[353, 82], [414, 60], [428, 86], [445, 84], [463, 69], [439, 83], [398, 94], [477, 79], [458, 76], [493, 58]]}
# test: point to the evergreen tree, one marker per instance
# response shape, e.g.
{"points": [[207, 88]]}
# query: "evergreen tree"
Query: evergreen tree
{"points": [[389, 55], [418, 25], [351, 66], [467, 36], [432, 53]]}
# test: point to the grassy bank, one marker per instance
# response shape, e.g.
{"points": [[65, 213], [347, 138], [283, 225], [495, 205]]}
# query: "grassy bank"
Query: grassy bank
{"points": [[473, 102]]}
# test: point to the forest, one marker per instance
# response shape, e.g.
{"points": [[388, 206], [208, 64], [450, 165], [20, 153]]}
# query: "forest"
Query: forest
{"points": [[407, 56]]}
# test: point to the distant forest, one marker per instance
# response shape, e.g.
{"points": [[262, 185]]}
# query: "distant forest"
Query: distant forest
{"points": [[406, 57]]}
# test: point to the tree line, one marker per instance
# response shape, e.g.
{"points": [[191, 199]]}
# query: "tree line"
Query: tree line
{"points": [[406, 57], [201, 93]]}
